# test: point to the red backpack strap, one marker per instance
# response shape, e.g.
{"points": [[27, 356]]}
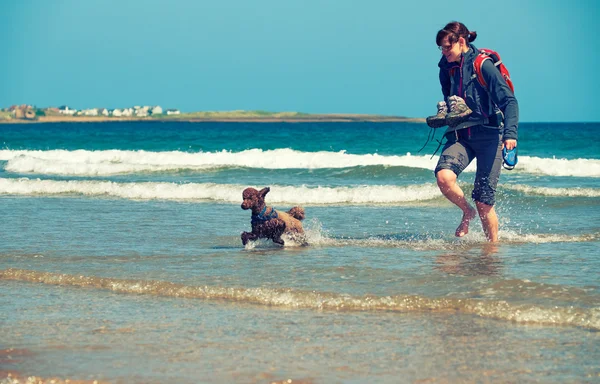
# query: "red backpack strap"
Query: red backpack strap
{"points": [[488, 54], [484, 54]]}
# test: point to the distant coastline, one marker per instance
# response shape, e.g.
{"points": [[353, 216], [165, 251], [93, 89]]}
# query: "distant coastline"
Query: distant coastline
{"points": [[30, 114], [237, 116]]}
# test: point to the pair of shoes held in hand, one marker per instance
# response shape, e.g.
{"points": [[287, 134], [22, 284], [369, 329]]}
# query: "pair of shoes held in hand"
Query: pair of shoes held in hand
{"points": [[459, 113]]}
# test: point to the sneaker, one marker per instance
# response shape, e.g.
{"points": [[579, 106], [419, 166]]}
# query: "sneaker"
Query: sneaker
{"points": [[459, 111], [509, 158], [439, 120]]}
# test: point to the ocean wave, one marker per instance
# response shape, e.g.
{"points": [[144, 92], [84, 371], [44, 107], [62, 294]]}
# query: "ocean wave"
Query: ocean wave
{"points": [[518, 311], [229, 193], [556, 192], [113, 162], [559, 167]]}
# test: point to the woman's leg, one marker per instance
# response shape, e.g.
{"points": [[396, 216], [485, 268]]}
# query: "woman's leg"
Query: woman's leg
{"points": [[488, 149], [446, 181], [454, 159], [489, 220]]}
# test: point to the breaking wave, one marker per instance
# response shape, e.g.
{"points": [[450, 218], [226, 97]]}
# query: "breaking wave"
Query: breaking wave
{"points": [[555, 192], [231, 193], [293, 298], [113, 162]]}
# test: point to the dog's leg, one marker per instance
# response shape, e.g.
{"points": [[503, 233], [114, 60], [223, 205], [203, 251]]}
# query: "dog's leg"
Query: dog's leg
{"points": [[277, 229], [247, 236]]}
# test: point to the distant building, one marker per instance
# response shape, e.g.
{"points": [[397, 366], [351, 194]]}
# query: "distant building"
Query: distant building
{"points": [[104, 112], [65, 110], [172, 111], [141, 112], [157, 110], [116, 112], [127, 112], [23, 112]]}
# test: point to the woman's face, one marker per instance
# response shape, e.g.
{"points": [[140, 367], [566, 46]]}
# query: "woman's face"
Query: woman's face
{"points": [[452, 51]]}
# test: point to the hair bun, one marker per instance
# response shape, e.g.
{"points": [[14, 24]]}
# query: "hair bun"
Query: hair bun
{"points": [[471, 36]]}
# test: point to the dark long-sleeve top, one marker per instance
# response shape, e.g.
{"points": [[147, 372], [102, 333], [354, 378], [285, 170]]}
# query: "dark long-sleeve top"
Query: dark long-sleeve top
{"points": [[459, 78]]}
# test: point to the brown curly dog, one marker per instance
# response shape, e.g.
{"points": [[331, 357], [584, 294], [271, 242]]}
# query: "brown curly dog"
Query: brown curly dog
{"points": [[267, 223]]}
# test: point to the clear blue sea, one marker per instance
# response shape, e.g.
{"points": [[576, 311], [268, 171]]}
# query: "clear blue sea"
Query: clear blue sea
{"points": [[121, 258]]}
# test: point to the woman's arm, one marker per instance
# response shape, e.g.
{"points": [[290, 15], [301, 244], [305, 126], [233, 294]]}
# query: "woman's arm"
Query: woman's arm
{"points": [[445, 83], [503, 97]]}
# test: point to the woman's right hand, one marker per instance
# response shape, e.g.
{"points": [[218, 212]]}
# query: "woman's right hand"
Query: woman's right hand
{"points": [[509, 144]]}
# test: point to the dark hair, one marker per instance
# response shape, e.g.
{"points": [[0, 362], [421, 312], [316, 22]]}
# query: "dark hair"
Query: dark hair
{"points": [[455, 30]]}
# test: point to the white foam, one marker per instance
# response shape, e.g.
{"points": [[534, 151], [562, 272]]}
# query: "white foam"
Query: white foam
{"points": [[540, 238], [521, 312], [433, 242], [559, 167], [546, 191], [230, 193], [111, 162]]}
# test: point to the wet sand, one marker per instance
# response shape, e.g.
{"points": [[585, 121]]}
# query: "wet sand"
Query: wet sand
{"points": [[9, 377]]}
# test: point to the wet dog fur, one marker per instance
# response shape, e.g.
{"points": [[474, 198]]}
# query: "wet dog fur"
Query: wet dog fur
{"points": [[264, 224]]}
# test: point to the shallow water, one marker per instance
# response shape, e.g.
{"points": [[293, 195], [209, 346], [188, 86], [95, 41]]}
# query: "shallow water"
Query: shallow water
{"points": [[154, 339], [121, 258]]}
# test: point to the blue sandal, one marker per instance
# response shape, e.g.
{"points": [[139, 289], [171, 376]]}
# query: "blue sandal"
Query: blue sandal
{"points": [[510, 158]]}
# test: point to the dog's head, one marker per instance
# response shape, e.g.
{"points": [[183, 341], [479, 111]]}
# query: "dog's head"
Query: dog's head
{"points": [[254, 199]]}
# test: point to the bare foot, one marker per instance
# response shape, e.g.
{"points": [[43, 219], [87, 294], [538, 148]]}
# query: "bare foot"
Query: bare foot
{"points": [[463, 227]]}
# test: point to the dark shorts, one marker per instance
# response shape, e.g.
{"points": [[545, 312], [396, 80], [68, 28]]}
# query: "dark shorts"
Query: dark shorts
{"points": [[484, 144]]}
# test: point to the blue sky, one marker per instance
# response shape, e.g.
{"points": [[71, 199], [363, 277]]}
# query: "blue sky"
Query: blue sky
{"points": [[313, 56]]}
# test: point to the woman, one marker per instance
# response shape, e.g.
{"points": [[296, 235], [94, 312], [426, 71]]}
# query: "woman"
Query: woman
{"points": [[476, 129]]}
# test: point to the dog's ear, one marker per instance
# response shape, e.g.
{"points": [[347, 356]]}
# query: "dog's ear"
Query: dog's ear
{"points": [[263, 192], [249, 192]]}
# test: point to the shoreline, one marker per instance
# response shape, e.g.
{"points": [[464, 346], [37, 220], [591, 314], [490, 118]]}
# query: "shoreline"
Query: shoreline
{"points": [[235, 119], [13, 377]]}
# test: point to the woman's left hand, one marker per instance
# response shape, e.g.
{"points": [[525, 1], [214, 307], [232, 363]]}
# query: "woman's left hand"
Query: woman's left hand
{"points": [[510, 144]]}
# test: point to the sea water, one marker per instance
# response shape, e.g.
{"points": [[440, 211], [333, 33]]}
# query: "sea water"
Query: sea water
{"points": [[121, 258]]}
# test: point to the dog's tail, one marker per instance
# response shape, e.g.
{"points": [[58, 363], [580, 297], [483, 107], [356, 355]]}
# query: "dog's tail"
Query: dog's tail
{"points": [[297, 212]]}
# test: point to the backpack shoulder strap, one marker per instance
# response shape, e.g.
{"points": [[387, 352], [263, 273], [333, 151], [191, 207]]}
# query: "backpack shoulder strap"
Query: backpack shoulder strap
{"points": [[488, 54], [484, 54]]}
